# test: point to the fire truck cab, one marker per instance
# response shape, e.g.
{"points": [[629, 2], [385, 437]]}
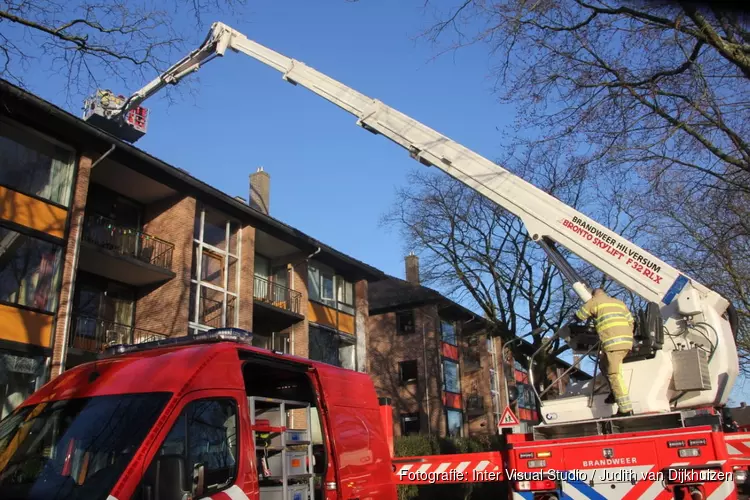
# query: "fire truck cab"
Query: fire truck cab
{"points": [[207, 416]]}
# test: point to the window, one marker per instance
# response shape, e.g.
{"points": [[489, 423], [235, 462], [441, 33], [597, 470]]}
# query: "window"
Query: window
{"points": [[215, 271], [33, 165], [74, 448], [275, 341], [329, 288], [408, 371], [452, 383], [448, 331], [405, 323], [20, 375], [29, 270], [205, 434], [332, 347], [345, 296], [455, 422], [410, 424]]}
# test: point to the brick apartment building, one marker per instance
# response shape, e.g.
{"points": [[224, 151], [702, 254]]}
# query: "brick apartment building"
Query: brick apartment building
{"points": [[434, 358], [101, 243]]}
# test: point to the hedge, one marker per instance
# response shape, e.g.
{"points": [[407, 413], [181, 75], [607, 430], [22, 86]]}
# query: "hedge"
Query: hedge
{"points": [[409, 446]]}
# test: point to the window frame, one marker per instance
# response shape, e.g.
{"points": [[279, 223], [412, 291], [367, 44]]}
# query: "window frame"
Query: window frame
{"points": [[323, 272], [342, 340], [445, 379], [74, 161], [230, 299], [413, 315], [55, 284], [416, 418], [197, 398], [415, 379], [460, 413], [455, 332]]}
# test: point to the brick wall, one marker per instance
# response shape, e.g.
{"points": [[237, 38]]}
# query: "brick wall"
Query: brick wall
{"points": [[386, 349], [477, 383], [77, 208], [163, 308], [299, 332], [247, 273]]}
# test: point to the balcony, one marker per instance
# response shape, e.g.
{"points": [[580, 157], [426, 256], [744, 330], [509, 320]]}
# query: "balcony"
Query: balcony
{"points": [[124, 254], [92, 335], [275, 306], [474, 406]]}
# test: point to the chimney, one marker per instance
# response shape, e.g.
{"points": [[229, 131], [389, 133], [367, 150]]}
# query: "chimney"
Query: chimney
{"points": [[260, 190], [412, 268]]}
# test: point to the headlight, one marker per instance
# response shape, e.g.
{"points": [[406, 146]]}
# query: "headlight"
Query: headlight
{"points": [[740, 476], [689, 452]]}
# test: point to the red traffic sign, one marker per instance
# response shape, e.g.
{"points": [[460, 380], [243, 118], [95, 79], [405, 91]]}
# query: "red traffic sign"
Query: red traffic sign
{"points": [[508, 419]]}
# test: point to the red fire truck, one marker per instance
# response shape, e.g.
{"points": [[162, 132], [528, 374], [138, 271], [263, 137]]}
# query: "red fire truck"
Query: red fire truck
{"points": [[211, 416]]}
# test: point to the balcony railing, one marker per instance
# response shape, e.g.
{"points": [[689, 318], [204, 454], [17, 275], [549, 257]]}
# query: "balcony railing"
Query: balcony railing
{"points": [[104, 233], [276, 295], [96, 334]]}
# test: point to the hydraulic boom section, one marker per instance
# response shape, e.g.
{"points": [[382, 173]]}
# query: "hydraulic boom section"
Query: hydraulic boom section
{"points": [[698, 336]]}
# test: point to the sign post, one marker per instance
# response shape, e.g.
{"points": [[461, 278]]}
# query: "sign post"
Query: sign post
{"points": [[507, 419]]}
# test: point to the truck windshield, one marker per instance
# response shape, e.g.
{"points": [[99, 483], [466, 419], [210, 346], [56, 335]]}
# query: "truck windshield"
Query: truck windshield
{"points": [[73, 449]]}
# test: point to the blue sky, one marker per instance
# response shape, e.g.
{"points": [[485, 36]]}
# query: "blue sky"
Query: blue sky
{"points": [[329, 178]]}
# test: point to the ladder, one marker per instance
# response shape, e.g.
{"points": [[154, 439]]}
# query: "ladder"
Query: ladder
{"points": [[284, 455]]}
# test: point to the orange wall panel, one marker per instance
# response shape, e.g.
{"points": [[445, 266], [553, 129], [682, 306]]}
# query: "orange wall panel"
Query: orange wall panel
{"points": [[346, 323], [318, 313], [26, 327], [450, 351], [451, 400], [30, 212]]}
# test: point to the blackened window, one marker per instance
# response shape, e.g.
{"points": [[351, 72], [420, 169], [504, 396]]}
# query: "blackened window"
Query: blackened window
{"points": [[410, 424], [408, 371], [405, 323]]}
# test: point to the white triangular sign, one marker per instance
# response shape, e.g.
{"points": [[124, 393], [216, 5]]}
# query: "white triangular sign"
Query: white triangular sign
{"points": [[508, 419]]}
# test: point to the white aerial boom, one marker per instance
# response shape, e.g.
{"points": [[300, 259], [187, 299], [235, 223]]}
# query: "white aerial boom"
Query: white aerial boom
{"points": [[697, 363]]}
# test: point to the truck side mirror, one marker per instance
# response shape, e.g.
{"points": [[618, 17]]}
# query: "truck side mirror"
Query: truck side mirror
{"points": [[198, 480]]}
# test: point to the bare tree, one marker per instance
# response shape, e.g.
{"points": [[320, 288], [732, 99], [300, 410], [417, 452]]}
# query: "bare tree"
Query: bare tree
{"points": [[654, 94], [480, 254], [89, 42]]}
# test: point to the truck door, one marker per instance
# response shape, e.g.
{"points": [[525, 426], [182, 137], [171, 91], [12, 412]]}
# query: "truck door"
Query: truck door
{"points": [[200, 453]]}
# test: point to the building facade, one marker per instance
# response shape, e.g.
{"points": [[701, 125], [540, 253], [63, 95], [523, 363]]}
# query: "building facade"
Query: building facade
{"points": [[103, 244], [444, 373]]}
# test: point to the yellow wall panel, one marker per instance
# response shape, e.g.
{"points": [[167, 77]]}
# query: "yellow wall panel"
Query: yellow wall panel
{"points": [[30, 212], [346, 323], [328, 316], [318, 313], [26, 327]]}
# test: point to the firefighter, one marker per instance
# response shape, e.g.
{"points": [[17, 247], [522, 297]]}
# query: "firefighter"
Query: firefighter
{"points": [[614, 326]]}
